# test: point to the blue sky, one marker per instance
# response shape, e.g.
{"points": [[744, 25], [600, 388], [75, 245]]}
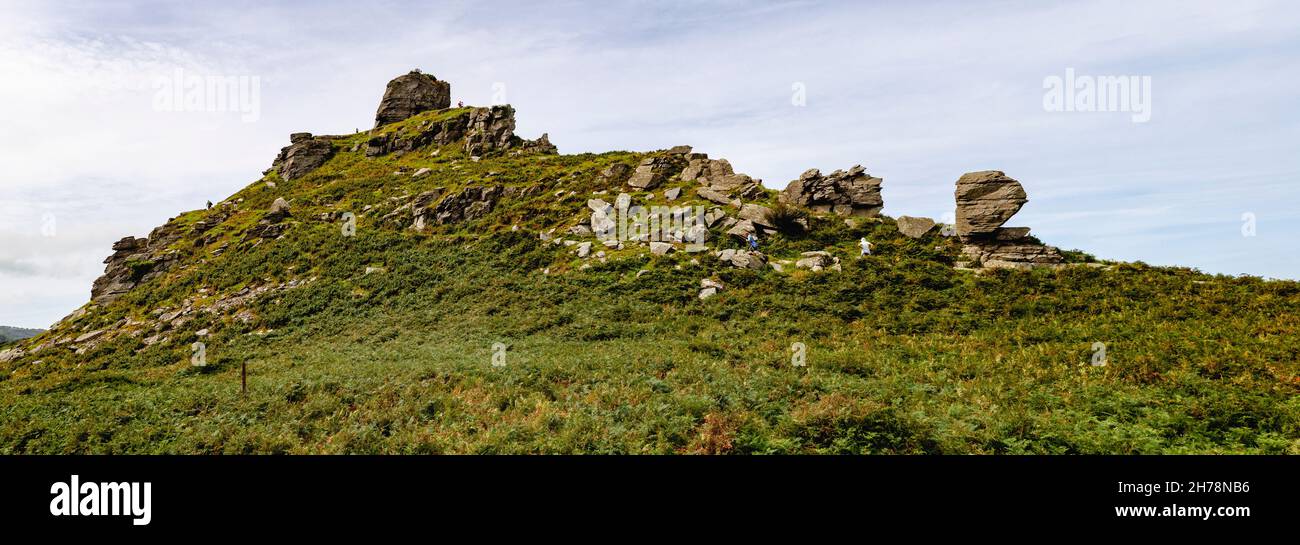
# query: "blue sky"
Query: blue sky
{"points": [[919, 93]]}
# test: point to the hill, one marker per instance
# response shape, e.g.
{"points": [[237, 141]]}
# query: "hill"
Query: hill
{"points": [[8, 334], [439, 284]]}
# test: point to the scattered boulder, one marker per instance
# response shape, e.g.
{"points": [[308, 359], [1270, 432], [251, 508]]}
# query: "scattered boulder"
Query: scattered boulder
{"points": [[846, 193], [817, 261], [584, 249], [672, 194], [410, 94], [709, 288], [756, 214], [914, 227], [742, 229], [743, 259], [279, 211], [660, 248]]}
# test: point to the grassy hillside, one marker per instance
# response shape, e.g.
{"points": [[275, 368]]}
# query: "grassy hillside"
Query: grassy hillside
{"points": [[390, 341]]}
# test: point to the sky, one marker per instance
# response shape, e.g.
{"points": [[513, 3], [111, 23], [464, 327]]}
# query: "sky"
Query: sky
{"points": [[1201, 170]]}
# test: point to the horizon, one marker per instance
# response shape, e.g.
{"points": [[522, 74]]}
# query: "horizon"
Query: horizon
{"points": [[1207, 180]]}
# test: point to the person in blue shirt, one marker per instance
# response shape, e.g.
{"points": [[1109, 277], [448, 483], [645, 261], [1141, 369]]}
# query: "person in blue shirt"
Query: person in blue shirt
{"points": [[753, 242]]}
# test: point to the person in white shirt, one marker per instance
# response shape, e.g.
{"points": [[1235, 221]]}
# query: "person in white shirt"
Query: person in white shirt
{"points": [[866, 246]]}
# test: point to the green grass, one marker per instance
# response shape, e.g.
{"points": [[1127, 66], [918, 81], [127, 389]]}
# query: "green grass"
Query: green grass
{"points": [[904, 354]]}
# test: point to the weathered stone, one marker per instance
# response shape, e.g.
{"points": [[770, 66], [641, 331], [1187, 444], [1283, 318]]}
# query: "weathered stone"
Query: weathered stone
{"points": [[471, 203], [757, 214], [660, 248], [673, 193], [279, 211], [742, 229], [742, 259], [846, 193], [653, 171], [410, 94], [490, 129], [986, 200], [616, 173], [303, 155], [816, 261], [914, 227], [584, 249], [713, 196]]}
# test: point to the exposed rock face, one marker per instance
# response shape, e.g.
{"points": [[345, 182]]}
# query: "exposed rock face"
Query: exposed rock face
{"points": [[304, 154], [1008, 249], [986, 200], [653, 171], [410, 94], [134, 261], [483, 130], [914, 227], [470, 204], [490, 129], [851, 193], [720, 184]]}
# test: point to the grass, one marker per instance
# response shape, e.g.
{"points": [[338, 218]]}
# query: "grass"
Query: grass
{"points": [[904, 353]]}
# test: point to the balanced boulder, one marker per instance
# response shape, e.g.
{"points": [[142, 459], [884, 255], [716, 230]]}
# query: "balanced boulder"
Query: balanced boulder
{"points": [[985, 201]]}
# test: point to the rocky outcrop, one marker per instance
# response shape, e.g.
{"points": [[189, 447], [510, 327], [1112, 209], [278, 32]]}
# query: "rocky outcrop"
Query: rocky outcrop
{"points": [[481, 130], [470, 204], [304, 154], [914, 227], [490, 129], [654, 171], [719, 183], [135, 261], [985, 201], [846, 193], [410, 94]]}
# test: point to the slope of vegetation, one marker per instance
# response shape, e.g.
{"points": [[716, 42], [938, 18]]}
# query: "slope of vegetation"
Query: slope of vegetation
{"points": [[479, 337]]}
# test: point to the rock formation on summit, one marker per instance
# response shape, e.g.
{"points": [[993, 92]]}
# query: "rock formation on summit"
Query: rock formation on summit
{"points": [[985, 201], [851, 193], [411, 94], [483, 131]]}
